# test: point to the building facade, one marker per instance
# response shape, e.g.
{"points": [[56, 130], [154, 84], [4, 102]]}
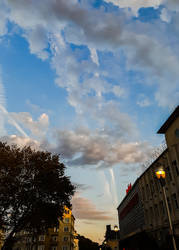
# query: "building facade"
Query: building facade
{"points": [[111, 239], [62, 237], [150, 224]]}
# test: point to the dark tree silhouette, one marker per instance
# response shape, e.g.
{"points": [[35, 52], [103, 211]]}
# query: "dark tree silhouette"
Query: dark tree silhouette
{"points": [[33, 191], [87, 244]]}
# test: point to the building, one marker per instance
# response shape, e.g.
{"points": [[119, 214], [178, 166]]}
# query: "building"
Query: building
{"points": [[142, 213], [62, 237], [111, 239]]}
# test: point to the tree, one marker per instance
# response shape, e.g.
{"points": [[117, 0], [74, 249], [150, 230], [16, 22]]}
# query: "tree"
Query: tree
{"points": [[33, 191], [87, 244]]}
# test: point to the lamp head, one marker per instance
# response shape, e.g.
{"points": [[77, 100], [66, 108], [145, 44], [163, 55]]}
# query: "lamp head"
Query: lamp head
{"points": [[115, 228], [160, 173]]}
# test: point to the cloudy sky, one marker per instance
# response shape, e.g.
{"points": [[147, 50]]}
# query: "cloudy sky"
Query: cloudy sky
{"points": [[91, 80]]}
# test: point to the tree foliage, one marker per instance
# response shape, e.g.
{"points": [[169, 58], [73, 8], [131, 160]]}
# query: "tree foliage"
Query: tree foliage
{"points": [[33, 190], [87, 244]]}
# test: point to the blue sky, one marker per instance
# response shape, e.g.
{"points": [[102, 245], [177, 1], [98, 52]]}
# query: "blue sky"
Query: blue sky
{"points": [[93, 81]]}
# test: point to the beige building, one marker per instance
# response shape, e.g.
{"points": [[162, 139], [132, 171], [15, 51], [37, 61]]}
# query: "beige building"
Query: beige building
{"points": [[63, 237], [152, 224]]}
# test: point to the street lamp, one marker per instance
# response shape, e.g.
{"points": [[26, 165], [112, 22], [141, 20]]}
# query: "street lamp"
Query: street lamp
{"points": [[116, 231], [161, 175]]}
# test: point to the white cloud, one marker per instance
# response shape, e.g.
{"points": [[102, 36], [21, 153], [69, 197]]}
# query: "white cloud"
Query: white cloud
{"points": [[21, 141], [37, 128], [38, 41], [165, 16], [94, 56], [135, 5]]}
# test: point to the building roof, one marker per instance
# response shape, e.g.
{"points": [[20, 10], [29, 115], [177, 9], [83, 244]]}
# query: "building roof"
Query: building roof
{"points": [[169, 121]]}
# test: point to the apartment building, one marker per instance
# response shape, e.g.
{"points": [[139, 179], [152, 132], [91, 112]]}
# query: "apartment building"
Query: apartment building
{"points": [[142, 213], [61, 237]]}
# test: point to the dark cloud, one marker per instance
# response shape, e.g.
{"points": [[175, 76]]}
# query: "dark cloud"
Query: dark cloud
{"points": [[81, 187]]}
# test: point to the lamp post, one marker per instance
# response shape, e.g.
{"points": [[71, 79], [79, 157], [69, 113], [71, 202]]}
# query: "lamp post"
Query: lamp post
{"points": [[161, 175], [116, 232]]}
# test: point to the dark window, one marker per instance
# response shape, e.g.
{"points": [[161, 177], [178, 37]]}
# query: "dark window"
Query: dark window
{"points": [[162, 208], [146, 215], [156, 211], [152, 187], [157, 187], [175, 201], [148, 189], [143, 193], [174, 164], [66, 229], [168, 173], [151, 213]]}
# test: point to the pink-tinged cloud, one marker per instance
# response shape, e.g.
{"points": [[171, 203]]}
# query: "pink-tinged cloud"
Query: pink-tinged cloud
{"points": [[84, 209]]}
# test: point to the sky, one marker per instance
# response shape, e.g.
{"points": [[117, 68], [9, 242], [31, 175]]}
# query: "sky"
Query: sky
{"points": [[93, 81]]}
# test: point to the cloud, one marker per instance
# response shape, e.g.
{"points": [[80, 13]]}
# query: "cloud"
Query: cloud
{"points": [[38, 41], [44, 24], [2, 104], [97, 150], [143, 101], [37, 128], [135, 5], [165, 15], [3, 19], [94, 56], [21, 141], [82, 187], [84, 209]]}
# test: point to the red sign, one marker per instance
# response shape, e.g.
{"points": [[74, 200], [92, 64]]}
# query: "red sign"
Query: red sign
{"points": [[129, 187]]}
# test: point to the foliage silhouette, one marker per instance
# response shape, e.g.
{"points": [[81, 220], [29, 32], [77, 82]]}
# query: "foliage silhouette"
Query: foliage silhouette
{"points": [[33, 191]]}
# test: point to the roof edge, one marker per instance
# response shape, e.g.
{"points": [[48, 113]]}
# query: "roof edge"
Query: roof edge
{"points": [[169, 121]]}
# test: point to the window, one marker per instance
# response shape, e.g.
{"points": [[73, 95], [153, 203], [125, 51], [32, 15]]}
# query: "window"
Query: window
{"points": [[42, 238], [66, 220], [174, 165], [65, 238], [169, 174], [157, 187], [54, 238], [156, 210], [54, 248], [66, 229], [55, 229], [143, 193], [66, 211], [152, 187], [175, 201], [162, 208], [148, 189], [41, 247], [151, 213], [146, 215], [29, 239], [65, 248]]}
